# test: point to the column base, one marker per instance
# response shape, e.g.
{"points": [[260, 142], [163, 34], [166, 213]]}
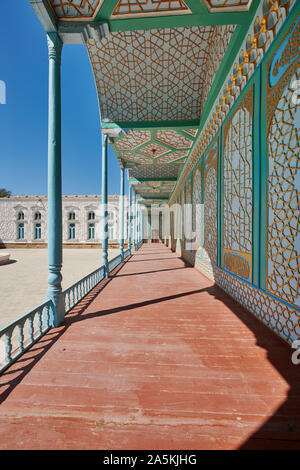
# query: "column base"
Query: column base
{"points": [[58, 307]]}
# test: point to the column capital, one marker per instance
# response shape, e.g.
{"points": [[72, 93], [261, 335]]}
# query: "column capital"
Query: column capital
{"points": [[54, 46]]}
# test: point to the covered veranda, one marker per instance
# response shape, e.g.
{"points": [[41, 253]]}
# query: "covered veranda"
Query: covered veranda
{"points": [[185, 342]]}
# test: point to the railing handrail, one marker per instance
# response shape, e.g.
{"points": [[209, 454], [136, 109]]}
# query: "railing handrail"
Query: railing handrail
{"points": [[83, 278], [25, 316]]}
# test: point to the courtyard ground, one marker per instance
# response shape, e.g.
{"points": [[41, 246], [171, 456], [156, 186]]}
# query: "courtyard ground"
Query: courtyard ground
{"points": [[23, 282]]}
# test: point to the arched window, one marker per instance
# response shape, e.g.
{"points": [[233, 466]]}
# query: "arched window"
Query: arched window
{"points": [[21, 215], [37, 231], [111, 232], [72, 232], [37, 216], [91, 215], [21, 233], [91, 231], [111, 224], [71, 215]]}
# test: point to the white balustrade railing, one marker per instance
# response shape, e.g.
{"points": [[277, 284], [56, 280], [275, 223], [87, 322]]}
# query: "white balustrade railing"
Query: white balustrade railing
{"points": [[21, 334]]}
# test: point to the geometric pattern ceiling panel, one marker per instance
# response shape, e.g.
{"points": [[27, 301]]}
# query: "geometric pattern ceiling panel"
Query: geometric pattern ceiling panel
{"points": [[79, 9], [132, 140], [138, 159], [155, 147], [127, 8], [173, 156], [153, 150], [152, 195], [228, 5], [151, 75], [155, 171], [154, 188], [192, 132], [135, 158], [171, 137]]}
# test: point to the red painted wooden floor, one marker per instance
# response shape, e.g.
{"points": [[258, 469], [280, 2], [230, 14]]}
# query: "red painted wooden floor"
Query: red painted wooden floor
{"points": [[157, 357]]}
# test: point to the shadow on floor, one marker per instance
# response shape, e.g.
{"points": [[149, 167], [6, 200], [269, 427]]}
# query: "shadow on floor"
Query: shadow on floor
{"points": [[282, 429], [156, 259]]}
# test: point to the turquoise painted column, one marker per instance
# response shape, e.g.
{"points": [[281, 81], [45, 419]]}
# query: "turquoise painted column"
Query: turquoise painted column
{"points": [[54, 292], [137, 223], [142, 224], [127, 226], [134, 222], [122, 194], [129, 217], [104, 206]]}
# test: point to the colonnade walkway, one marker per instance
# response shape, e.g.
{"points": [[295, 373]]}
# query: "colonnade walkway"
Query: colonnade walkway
{"points": [[155, 357]]}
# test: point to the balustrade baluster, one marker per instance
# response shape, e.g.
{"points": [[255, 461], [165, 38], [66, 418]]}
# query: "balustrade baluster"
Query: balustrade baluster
{"points": [[8, 346], [21, 336], [39, 324], [30, 329]]}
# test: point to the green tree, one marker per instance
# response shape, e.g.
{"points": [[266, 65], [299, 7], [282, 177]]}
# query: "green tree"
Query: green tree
{"points": [[4, 192]]}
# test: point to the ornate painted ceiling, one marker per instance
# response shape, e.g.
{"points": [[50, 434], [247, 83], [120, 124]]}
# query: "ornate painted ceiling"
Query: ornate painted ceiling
{"points": [[151, 75], [155, 65]]}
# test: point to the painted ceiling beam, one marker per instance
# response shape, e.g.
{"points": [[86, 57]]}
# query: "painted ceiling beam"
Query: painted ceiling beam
{"points": [[45, 14], [155, 198], [142, 180], [194, 124]]}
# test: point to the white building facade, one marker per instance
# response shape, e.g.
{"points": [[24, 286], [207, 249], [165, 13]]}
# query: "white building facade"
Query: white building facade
{"points": [[24, 220]]}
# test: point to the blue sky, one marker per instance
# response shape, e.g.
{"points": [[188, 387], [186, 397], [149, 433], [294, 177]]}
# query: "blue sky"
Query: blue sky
{"points": [[24, 117]]}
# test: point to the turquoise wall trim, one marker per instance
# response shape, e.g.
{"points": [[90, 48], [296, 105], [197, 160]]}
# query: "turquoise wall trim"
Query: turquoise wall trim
{"points": [[256, 157], [220, 200], [129, 221], [183, 215]]}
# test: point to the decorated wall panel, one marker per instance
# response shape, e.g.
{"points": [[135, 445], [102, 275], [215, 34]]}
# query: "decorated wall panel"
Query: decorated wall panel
{"points": [[210, 204], [197, 210], [237, 190], [283, 174], [188, 214]]}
